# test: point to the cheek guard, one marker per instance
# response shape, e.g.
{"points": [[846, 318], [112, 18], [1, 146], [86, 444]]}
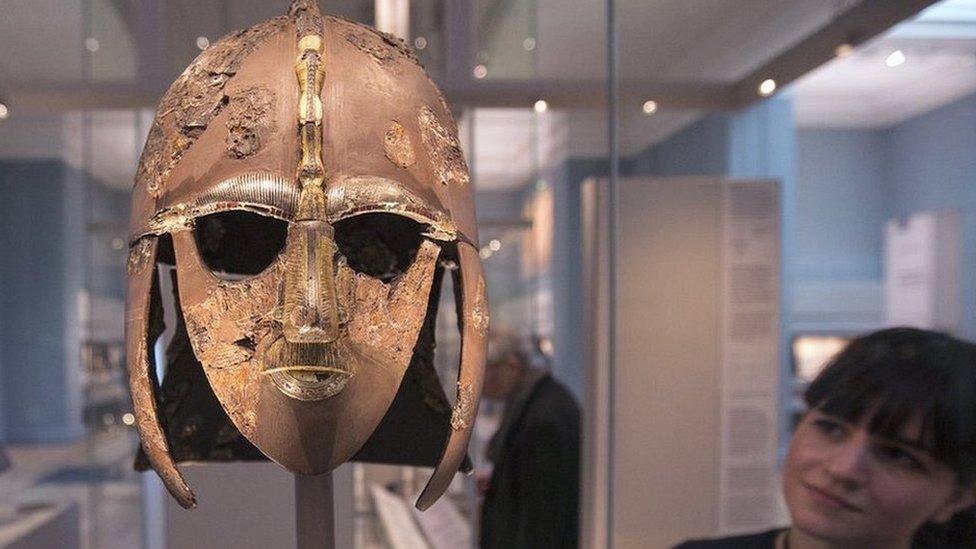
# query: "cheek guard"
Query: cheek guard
{"points": [[323, 354]]}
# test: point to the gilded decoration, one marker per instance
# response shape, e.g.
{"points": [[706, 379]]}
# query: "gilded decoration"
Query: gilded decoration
{"points": [[479, 317], [443, 149], [226, 329], [461, 417], [386, 317], [249, 121], [139, 256], [398, 148]]}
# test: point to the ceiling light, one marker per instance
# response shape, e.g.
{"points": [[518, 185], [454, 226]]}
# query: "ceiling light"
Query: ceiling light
{"points": [[895, 58], [650, 107], [767, 87], [541, 106], [495, 245], [4, 111], [528, 44], [485, 253], [203, 42], [480, 71], [420, 42], [92, 45], [128, 418], [843, 50]]}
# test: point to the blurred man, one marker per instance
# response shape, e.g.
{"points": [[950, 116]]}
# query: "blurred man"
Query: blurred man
{"points": [[532, 497]]}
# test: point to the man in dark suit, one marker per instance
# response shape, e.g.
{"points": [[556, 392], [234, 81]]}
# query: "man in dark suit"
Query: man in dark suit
{"points": [[532, 497]]}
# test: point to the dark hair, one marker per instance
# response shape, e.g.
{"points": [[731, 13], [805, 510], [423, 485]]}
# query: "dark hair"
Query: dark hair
{"points": [[896, 375], [892, 376]]}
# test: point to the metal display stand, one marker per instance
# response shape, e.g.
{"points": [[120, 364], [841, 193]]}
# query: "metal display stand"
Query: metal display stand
{"points": [[314, 514]]}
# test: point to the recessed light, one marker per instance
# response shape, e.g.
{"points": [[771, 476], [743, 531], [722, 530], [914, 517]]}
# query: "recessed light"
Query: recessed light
{"points": [[650, 107], [420, 42], [767, 87], [495, 245], [480, 71], [528, 44], [92, 45], [541, 106], [203, 42], [4, 111], [895, 58], [843, 50]]}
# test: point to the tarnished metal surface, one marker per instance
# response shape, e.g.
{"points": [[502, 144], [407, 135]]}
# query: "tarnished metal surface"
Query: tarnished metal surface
{"points": [[142, 372], [471, 373], [225, 327], [387, 317], [384, 48], [194, 100]]}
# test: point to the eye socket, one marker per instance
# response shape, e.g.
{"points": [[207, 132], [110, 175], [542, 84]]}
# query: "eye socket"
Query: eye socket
{"points": [[378, 245], [235, 244]]}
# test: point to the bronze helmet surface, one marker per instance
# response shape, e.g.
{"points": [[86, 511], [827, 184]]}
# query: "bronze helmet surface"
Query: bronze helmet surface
{"points": [[305, 177]]}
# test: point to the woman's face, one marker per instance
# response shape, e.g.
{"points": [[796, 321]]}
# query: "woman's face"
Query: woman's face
{"points": [[847, 485]]}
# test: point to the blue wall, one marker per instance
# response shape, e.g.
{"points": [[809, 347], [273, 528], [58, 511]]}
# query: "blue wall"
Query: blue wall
{"points": [[566, 271], [840, 190], [850, 182], [699, 149], [931, 165], [40, 240]]}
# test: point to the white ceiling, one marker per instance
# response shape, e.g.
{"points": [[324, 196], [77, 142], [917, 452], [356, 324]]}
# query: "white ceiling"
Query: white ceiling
{"points": [[675, 40], [707, 41], [861, 91]]}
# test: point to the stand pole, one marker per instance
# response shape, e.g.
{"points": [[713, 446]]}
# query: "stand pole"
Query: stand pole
{"points": [[314, 516]]}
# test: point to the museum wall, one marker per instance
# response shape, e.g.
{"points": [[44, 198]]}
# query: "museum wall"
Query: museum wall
{"points": [[42, 238], [930, 164], [851, 181], [699, 149], [839, 188], [567, 283]]}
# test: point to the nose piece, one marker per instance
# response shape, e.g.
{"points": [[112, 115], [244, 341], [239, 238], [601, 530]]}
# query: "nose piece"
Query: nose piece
{"points": [[310, 303], [304, 317]]}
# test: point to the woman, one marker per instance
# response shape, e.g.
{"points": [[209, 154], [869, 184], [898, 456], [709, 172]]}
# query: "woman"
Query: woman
{"points": [[886, 455]]}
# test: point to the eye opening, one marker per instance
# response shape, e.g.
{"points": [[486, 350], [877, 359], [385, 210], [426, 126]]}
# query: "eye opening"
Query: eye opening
{"points": [[379, 245], [235, 244]]}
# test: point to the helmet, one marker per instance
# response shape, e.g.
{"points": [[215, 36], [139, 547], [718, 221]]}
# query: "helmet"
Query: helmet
{"points": [[305, 177]]}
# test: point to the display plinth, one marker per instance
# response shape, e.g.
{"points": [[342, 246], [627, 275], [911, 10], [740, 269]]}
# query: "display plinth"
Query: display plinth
{"points": [[314, 517]]}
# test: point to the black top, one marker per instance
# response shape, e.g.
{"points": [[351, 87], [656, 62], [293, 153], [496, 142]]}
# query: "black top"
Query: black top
{"points": [[533, 497], [765, 540]]}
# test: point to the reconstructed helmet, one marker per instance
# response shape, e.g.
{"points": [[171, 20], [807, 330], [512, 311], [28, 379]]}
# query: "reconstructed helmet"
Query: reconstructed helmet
{"points": [[305, 177]]}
